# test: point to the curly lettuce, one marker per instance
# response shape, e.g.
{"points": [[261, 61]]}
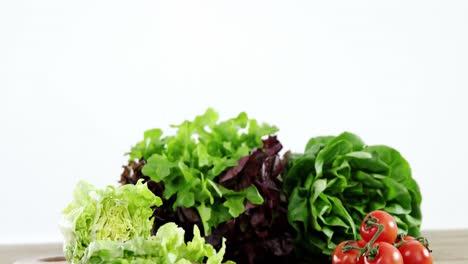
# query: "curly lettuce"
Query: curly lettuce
{"points": [[113, 225], [184, 167], [166, 247], [117, 214]]}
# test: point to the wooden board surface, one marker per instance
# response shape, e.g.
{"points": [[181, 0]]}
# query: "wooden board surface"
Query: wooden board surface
{"points": [[449, 247]]}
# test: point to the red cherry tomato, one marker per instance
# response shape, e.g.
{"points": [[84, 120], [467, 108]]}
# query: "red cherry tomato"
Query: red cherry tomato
{"points": [[348, 257], [390, 229], [414, 252], [387, 254]]}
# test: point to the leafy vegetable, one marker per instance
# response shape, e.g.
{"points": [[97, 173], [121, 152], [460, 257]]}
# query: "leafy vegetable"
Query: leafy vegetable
{"points": [[260, 233], [166, 247], [337, 181], [114, 214], [242, 200], [183, 168], [113, 225]]}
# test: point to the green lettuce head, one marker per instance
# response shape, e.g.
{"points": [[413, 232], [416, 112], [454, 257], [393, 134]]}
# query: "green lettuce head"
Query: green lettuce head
{"points": [[110, 214], [113, 225], [337, 181]]}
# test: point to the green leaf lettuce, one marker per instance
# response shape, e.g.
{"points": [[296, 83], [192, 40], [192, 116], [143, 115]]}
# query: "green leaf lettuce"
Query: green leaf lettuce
{"points": [[187, 162], [337, 181]]}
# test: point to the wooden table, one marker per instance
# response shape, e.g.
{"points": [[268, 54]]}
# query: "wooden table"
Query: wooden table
{"points": [[448, 247]]}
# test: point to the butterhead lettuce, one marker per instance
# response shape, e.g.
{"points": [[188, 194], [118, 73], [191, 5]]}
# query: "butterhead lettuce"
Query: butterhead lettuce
{"points": [[340, 179]]}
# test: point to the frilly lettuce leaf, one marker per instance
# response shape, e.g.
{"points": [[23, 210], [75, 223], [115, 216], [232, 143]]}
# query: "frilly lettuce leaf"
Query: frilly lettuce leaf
{"points": [[113, 225], [188, 162], [114, 214], [167, 247]]}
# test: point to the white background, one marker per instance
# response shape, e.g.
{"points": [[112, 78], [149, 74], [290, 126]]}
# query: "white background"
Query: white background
{"points": [[81, 80]]}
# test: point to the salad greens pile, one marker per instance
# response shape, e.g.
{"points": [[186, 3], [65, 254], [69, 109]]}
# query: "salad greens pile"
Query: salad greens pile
{"points": [[337, 181], [113, 225], [227, 181], [223, 176], [188, 162]]}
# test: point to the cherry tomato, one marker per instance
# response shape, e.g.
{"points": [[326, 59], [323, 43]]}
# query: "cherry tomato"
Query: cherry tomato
{"points": [[387, 254], [348, 257], [390, 229], [414, 252]]}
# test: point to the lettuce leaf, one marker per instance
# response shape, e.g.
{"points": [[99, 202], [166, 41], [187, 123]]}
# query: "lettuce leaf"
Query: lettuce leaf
{"points": [[337, 181], [117, 214], [183, 168], [261, 233], [167, 247], [113, 225]]}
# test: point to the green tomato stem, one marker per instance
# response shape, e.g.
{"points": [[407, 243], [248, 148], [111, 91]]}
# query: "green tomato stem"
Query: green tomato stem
{"points": [[368, 250], [425, 242], [403, 241]]}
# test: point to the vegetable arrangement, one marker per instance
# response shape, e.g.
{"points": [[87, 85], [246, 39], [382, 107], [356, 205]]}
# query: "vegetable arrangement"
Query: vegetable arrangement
{"points": [[379, 244], [244, 201]]}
